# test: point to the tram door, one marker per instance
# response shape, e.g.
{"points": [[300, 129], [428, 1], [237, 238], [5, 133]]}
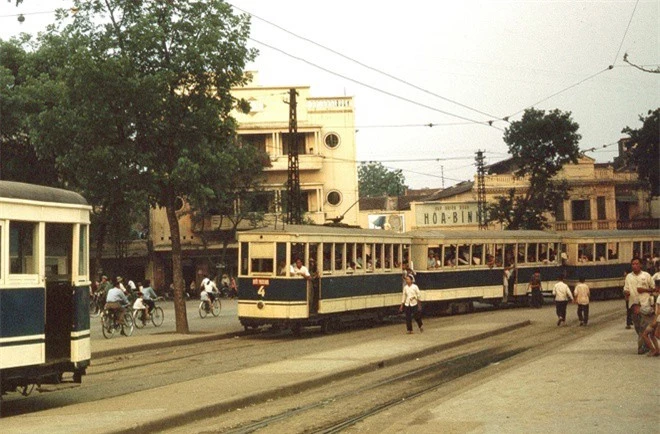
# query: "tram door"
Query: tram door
{"points": [[59, 291]]}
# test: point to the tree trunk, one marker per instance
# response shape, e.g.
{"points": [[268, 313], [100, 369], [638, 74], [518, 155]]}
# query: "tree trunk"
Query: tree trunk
{"points": [[177, 271]]}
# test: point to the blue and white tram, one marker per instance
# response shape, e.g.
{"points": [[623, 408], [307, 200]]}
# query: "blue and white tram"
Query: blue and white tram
{"points": [[356, 275], [455, 268], [603, 257], [44, 285]]}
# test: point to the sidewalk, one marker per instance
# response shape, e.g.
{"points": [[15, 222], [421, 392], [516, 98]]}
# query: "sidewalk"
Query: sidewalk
{"points": [[590, 378]]}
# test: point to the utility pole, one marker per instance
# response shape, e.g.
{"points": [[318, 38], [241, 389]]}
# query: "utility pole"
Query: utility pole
{"points": [[481, 190], [293, 182]]}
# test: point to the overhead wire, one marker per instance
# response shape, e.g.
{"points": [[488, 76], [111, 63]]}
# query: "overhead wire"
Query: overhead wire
{"points": [[371, 68], [361, 83], [625, 33]]}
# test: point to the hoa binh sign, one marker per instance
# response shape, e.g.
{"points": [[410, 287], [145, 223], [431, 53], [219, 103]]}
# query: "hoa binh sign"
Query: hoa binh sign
{"points": [[446, 214]]}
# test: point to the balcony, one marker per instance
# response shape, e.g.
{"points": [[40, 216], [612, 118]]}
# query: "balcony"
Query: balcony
{"points": [[305, 162], [335, 104], [605, 225]]}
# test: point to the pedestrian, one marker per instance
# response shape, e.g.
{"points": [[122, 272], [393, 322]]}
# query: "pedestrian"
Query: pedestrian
{"points": [[562, 294], [535, 288], [582, 294], [652, 332], [638, 289], [411, 303]]}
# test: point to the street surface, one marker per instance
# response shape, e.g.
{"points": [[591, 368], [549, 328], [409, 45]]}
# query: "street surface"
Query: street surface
{"points": [[466, 367]]}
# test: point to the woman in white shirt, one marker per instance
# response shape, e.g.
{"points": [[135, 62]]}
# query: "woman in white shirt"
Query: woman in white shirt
{"points": [[411, 303]]}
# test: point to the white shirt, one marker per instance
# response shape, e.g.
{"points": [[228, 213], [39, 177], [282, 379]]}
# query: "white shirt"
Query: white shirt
{"points": [[302, 271], [410, 295], [634, 281], [562, 292], [582, 293]]}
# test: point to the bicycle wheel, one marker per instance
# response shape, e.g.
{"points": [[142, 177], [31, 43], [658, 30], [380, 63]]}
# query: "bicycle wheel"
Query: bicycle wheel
{"points": [[94, 308], [216, 307], [139, 318], [107, 326], [128, 325], [202, 310], [157, 316]]}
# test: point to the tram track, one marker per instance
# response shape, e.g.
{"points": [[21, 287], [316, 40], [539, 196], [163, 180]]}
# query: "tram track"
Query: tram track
{"points": [[368, 395]]}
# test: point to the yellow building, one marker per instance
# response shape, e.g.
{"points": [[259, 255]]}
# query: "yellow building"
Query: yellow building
{"points": [[600, 197], [327, 168]]}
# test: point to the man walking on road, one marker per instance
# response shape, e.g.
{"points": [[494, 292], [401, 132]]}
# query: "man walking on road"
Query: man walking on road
{"points": [[562, 294], [638, 289], [582, 294]]}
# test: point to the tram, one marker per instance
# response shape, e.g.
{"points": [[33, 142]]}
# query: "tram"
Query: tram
{"points": [[44, 286], [603, 257], [357, 273]]}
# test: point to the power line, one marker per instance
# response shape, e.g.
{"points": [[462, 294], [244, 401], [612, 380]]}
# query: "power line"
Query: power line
{"points": [[625, 33], [494, 117], [300, 59]]}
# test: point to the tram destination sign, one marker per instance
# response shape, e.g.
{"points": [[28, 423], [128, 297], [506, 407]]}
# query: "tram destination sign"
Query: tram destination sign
{"points": [[446, 214]]}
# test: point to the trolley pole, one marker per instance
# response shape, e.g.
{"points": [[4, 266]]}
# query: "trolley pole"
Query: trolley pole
{"points": [[293, 181]]}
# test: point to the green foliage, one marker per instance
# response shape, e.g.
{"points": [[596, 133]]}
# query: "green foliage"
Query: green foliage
{"points": [[375, 180], [540, 144], [645, 153]]}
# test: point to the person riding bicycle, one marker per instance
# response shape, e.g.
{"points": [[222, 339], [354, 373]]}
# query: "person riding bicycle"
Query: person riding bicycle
{"points": [[116, 301], [208, 292], [149, 297]]}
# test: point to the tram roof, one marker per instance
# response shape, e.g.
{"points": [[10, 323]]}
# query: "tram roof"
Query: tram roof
{"points": [[633, 233], [39, 193], [518, 235], [324, 230]]}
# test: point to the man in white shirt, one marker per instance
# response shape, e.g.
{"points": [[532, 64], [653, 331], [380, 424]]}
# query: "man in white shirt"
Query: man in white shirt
{"points": [[298, 269], [562, 294], [637, 289]]}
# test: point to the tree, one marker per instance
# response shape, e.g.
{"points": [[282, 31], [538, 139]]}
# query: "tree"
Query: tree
{"points": [[540, 144], [158, 75], [18, 158], [375, 180], [645, 152]]}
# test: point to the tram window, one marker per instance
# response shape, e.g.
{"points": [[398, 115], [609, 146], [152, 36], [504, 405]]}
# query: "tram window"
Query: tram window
{"points": [[543, 253], [522, 255], [463, 255], [601, 252], [388, 257], [552, 254], [245, 254], [397, 256], [646, 248], [298, 251], [491, 253], [585, 252], [478, 254], [59, 239], [262, 265], [312, 264], [339, 256], [612, 251], [532, 252], [23, 248], [449, 255], [637, 249], [509, 254], [280, 257], [82, 251], [327, 258], [359, 256], [369, 250], [405, 254], [378, 260]]}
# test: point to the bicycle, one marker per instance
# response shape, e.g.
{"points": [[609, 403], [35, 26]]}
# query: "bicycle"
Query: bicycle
{"points": [[140, 317], [205, 309], [96, 302], [110, 324]]}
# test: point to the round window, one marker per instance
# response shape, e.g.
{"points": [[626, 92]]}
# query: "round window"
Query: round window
{"points": [[331, 140], [334, 198]]}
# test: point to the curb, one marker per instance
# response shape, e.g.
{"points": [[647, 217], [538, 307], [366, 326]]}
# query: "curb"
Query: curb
{"points": [[232, 404]]}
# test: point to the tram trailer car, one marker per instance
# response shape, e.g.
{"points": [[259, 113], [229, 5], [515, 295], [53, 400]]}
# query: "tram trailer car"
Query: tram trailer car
{"points": [[456, 268], [44, 286], [603, 257], [356, 275]]}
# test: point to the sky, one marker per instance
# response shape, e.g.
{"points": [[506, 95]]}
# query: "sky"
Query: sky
{"points": [[429, 77]]}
